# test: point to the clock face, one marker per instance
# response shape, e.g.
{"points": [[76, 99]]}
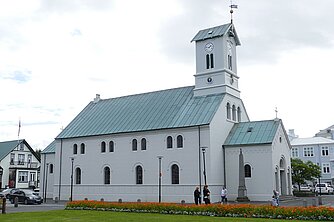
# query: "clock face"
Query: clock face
{"points": [[209, 47]]}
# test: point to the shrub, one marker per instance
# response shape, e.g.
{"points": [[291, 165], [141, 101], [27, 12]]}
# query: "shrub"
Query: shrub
{"points": [[227, 210]]}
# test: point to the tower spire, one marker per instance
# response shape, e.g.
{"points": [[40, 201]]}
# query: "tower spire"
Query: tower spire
{"points": [[232, 6]]}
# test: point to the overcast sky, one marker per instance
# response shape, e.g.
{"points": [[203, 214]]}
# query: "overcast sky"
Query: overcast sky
{"points": [[55, 55]]}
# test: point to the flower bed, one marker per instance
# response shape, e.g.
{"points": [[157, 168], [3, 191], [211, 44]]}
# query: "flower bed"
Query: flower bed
{"points": [[227, 210]]}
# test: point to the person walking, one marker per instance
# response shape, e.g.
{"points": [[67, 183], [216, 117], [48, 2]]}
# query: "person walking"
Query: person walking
{"points": [[223, 195], [206, 194], [276, 196], [197, 195]]}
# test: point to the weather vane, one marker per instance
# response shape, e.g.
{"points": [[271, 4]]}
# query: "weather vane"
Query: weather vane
{"points": [[232, 6]]}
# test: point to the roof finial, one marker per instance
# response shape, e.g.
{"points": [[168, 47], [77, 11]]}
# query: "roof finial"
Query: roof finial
{"points": [[232, 6], [276, 111]]}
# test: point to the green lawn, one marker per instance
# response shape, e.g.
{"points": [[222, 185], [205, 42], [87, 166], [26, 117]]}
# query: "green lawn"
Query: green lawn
{"points": [[101, 216]]}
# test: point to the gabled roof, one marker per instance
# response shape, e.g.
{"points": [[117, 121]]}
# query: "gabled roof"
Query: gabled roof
{"points": [[251, 133], [7, 147], [216, 32], [311, 141], [51, 148], [172, 108]]}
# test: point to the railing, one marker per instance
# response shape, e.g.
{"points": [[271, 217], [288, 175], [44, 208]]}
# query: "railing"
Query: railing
{"points": [[24, 164]]}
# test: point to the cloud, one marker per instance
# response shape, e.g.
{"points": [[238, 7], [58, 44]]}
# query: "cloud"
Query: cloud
{"points": [[18, 76]]}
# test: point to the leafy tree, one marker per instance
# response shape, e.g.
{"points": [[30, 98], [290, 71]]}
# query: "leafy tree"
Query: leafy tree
{"points": [[304, 171]]}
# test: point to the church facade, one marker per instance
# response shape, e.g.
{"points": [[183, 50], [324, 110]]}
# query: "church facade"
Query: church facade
{"points": [[158, 146]]}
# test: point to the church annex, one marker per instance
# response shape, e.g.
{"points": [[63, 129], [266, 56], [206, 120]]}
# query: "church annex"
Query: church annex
{"points": [[158, 146]]}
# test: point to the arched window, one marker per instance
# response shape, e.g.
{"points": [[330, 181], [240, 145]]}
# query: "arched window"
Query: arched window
{"points": [[143, 144], [78, 176], [248, 170], [207, 61], [175, 174], [111, 146], [139, 175], [179, 141], [75, 149], [228, 111], [51, 169], [106, 173], [229, 61], [82, 148], [234, 113], [239, 114], [134, 145], [169, 142], [211, 60], [103, 147]]}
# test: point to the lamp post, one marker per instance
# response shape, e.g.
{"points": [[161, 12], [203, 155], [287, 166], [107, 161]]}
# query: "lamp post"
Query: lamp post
{"points": [[46, 182], [204, 170], [72, 160], [160, 176]]}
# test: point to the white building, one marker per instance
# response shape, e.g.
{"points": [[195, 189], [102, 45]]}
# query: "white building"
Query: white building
{"points": [[319, 150], [19, 165], [118, 145]]}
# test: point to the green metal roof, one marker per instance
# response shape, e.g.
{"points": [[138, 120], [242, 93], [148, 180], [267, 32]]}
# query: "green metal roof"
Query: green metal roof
{"points": [[164, 109], [257, 132], [216, 32], [7, 147], [51, 148]]}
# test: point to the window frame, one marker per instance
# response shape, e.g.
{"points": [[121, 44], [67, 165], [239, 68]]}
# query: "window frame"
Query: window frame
{"points": [[294, 152], [325, 168], [106, 175], [103, 147], [324, 151], [75, 149], [134, 145], [175, 174], [82, 148], [143, 144], [139, 175], [248, 171], [23, 178], [179, 142], [169, 142], [78, 175], [111, 146]]}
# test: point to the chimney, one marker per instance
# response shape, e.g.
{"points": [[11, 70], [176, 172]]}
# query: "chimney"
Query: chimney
{"points": [[292, 133], [97, 98]]}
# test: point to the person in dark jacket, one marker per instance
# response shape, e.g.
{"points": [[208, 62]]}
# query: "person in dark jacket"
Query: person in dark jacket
{"points": [[206, 194], [197, 195]]}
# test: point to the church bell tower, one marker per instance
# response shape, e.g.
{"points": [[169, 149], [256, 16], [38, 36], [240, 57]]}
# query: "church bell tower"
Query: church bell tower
{"points": [[216, 65]]}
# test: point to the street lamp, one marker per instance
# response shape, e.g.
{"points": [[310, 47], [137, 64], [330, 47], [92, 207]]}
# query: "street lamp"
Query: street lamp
{"points": [[46, 182], [204, 170], [72, 160], [160, 176]]}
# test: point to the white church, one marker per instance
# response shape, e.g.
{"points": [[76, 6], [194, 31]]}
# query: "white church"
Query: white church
{"points": [[158, 146]]}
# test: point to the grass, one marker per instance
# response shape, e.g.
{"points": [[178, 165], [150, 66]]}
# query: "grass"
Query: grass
{"points": [[101, 216]]}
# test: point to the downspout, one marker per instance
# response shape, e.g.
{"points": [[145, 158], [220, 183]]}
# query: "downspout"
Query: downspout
{"points": [[60, 162], [224, 159], [199, 165]]}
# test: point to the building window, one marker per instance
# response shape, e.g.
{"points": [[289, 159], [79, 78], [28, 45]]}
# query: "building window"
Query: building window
{"points": [[325, 168], [179, 141], [82, 148], [308, 151], [143, 144], [51, 169], [324, 151], [111, 146], [175, 174], [21, 159], [12, 157], [23, 176], [21, 146], [248, 170], [169, 142], [103, 147], [78, 176], [134, 145], [228, 111], [294, 152], [229, 61], [139, 175], [29, 158], [75, 149], [106, 175], [234, 113], [209, 61], [239, 114]]}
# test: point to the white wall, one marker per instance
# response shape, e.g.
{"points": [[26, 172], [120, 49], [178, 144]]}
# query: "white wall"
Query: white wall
{"points": [[47, 181]]}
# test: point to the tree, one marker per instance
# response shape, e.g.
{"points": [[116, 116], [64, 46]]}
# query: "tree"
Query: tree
{"points": [[304, 171]]}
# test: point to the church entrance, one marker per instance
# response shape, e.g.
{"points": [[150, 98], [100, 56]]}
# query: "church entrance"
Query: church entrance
{"points": [[283, 177]]}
